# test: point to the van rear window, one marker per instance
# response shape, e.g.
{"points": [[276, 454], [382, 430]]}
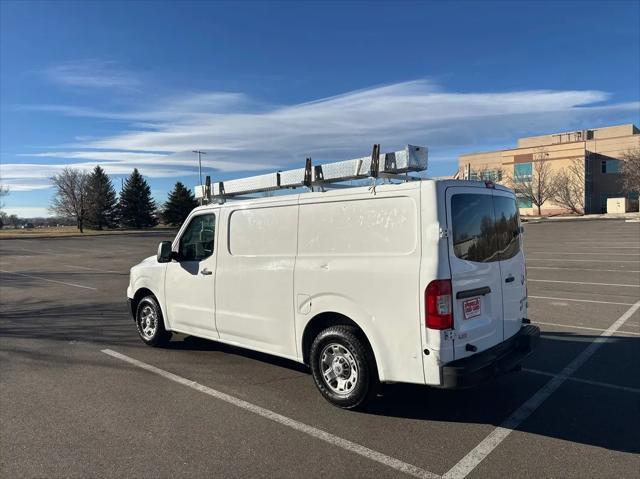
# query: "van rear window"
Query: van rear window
{"points": [[485, 227], [474, 228], [507, 226]]}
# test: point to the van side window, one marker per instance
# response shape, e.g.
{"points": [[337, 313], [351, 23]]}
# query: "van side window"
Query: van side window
{"points": [[507, 227], [474, 228], [196, 242]]}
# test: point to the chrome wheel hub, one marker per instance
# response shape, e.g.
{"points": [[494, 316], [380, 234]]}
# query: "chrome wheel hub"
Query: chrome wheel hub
{"points": [[148, 322], [339, 369]]}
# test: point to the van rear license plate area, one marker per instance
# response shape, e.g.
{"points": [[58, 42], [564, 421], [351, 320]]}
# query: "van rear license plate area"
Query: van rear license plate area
{"points": [[471, 308]]}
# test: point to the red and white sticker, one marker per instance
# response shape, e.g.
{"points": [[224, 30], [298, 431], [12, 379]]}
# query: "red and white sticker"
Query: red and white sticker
{"points": [[471, 308]]}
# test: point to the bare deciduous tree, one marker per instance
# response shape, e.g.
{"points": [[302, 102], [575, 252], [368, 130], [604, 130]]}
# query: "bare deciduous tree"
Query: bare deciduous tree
{"points": [[630, 170], [569, 190], [70, 199], [540, 186], [4, 191]]}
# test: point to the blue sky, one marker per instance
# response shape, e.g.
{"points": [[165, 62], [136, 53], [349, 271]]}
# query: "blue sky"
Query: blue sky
{"points": [[260, 86]]}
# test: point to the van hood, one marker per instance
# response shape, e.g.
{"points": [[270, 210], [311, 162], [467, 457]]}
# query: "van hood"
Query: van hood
{"points": [[146, 262], [150, 259]]}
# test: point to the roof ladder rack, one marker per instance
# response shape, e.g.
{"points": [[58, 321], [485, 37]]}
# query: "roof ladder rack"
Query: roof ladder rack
{"points": [[396, 165]]}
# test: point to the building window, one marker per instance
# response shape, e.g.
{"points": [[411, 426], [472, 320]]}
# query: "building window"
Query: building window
{"points": [[610, 166], [523, 172], [486, 175], [495, 175], [524, 202]]}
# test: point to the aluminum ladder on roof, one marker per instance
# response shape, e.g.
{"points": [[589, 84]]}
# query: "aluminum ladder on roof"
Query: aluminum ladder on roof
{"points": [[390, 165]]}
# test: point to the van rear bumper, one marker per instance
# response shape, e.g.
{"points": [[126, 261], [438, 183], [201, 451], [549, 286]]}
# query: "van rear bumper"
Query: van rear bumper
{"points": [[500, 359]]}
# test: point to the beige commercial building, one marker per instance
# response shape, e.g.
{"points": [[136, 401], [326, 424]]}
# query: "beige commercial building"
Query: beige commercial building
{"points": [[599, 151]]}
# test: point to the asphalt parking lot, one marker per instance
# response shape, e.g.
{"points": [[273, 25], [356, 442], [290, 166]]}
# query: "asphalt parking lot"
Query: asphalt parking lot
{"points": [[201, 409]]}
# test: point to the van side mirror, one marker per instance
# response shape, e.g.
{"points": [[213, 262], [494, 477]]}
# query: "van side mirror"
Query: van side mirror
{"points": [[165, 254]]}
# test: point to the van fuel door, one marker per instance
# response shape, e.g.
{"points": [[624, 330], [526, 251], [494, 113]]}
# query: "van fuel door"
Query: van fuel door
{"points": [[304, 303]]}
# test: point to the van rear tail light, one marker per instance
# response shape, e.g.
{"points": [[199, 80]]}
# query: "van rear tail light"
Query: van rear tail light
{"points": [[438, 305]]}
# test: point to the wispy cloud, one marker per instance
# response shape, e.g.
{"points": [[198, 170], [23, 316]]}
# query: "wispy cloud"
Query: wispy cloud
{"points": [[185, 107], [242, 135], [35, 176], [92, 74]]}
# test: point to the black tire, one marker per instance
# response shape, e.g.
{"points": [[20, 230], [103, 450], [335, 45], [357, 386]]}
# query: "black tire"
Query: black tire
{"points": [[157, 335], [365, 385]]}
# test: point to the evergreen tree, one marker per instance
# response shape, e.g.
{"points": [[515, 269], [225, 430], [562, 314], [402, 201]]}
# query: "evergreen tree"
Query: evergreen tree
{"points": [[101, 200], [136, 207], [179, 205]]}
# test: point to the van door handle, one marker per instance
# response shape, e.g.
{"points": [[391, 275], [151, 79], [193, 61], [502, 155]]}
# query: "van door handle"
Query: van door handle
{"points": [[470, 293], [509, 279], [206, 272]]}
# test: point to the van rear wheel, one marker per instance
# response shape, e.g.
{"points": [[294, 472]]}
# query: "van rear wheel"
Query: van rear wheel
{"points": [[343, 367]]}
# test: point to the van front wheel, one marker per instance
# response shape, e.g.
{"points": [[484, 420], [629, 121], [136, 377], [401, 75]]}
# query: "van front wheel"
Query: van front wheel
{"points": [[150, 324], [343, 367]]}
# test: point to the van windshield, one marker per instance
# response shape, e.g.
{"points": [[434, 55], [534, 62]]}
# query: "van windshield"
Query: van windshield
{"points": [[485, 227]]}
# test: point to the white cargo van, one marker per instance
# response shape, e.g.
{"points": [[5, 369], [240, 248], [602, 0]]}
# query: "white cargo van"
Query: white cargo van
{"points": [[419, 282]]}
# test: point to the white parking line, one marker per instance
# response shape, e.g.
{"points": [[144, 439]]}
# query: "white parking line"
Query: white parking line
{"points": [[92, 269], [584, 327], [592, 245], [41, 250], [46, 279], [69, 248], [579, 300], [493, 440], [599, 243], [604, 244], [283, 420], [604, 248], [587, 269], [584, 381], [583, 282], [585, 260], [566, 252]]}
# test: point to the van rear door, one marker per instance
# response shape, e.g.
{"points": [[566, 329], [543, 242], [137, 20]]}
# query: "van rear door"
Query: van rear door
{"points": [[512, 264], [475, 270]]}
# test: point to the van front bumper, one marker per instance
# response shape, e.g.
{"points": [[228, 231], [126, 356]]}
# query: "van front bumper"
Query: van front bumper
{"points": [[500, 359]]}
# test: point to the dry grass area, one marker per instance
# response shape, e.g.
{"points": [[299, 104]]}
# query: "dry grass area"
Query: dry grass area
{"points": [[61, 231]]}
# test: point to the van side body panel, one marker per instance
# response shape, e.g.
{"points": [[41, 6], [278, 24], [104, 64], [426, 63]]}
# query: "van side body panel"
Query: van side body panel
{"points": [[254, 276], [359, 255]]}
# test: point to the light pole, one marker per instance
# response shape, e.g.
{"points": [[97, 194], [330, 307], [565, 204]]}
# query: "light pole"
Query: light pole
{"points": [[200, 153]]}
